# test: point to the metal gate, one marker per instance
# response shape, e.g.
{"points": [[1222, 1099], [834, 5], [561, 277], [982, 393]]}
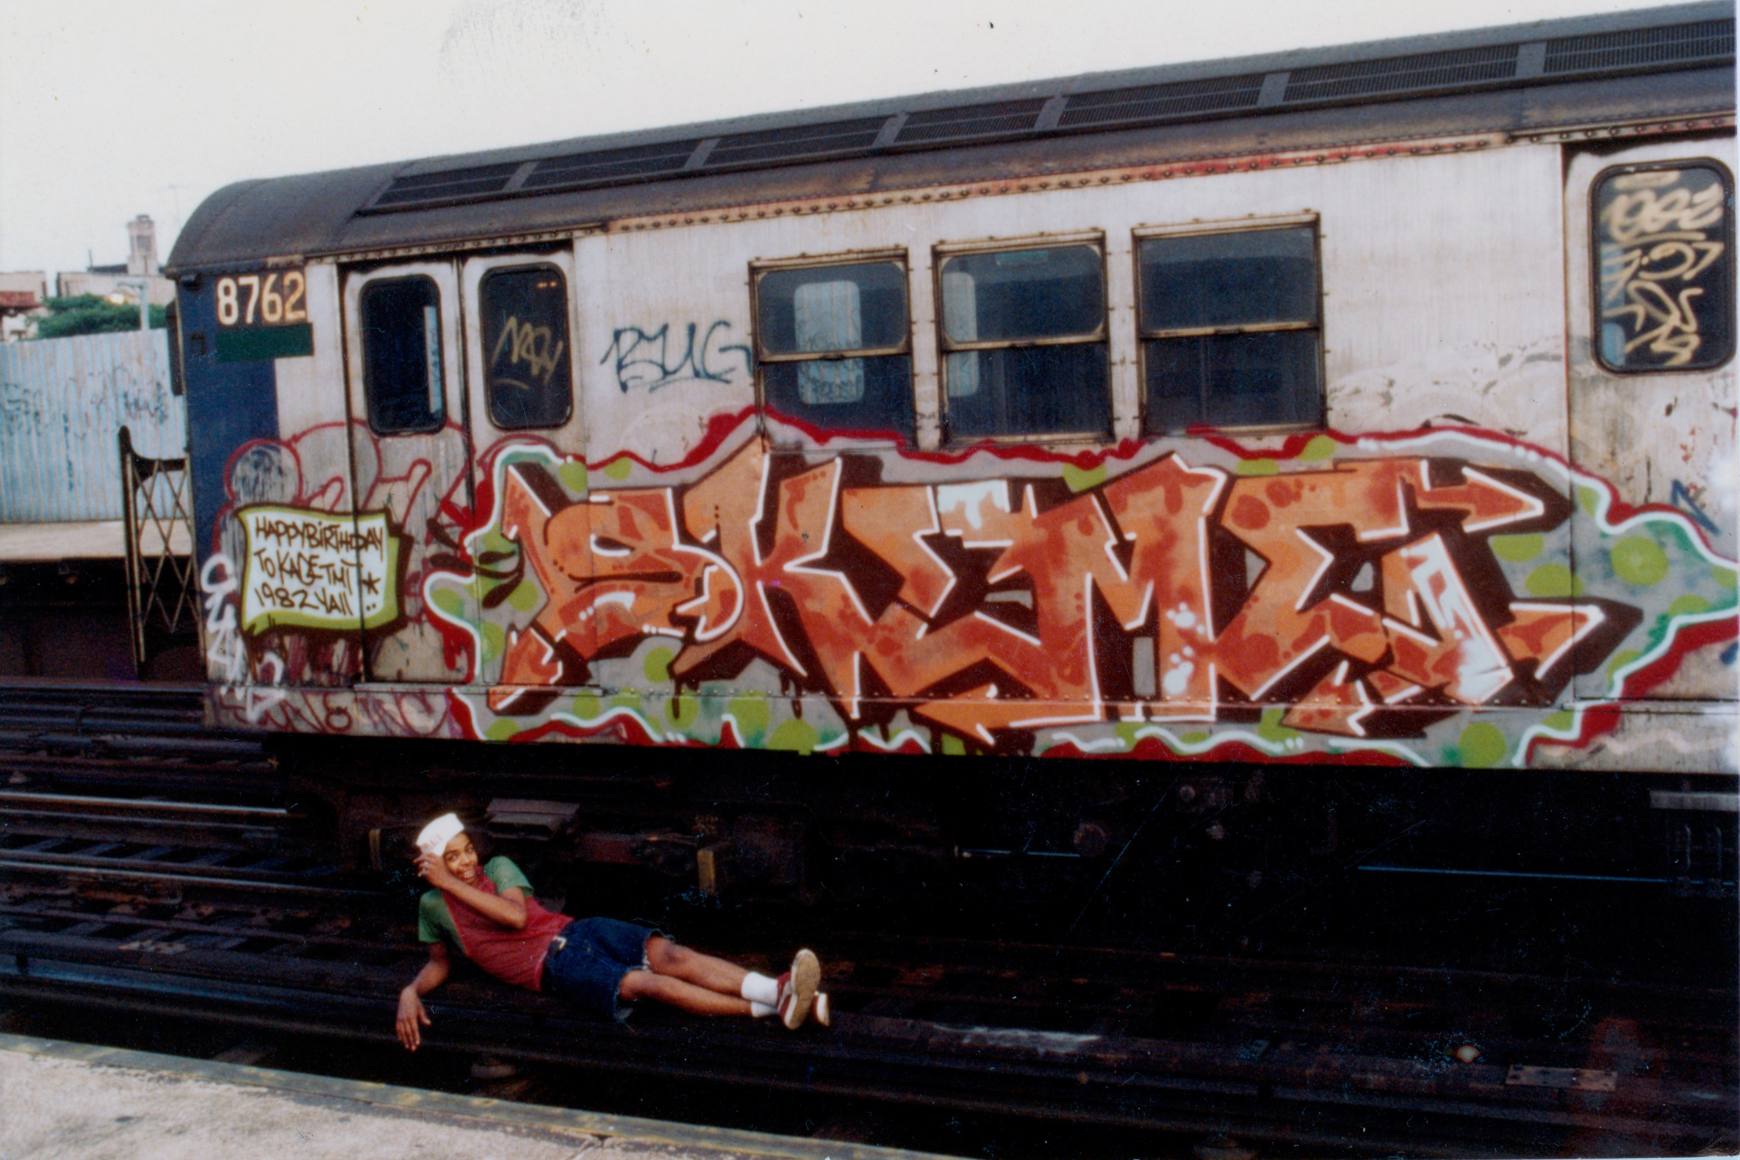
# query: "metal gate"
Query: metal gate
{"points": [[157, 503]]}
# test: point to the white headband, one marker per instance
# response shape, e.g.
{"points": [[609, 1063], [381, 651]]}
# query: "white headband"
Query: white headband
{"points": [[436, 835]]}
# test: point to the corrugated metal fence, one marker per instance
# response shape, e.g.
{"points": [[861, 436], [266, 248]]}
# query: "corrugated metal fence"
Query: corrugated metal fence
{"points": [[62, 401]]}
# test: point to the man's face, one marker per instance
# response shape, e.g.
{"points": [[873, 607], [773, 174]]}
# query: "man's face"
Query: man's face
{"points": [[461, 858]]}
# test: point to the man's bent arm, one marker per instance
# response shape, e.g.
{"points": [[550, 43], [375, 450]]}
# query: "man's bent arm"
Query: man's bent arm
{"points": [[507, 908], [433, 973]]}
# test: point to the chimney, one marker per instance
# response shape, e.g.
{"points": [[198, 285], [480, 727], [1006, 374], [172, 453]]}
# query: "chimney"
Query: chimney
{"points": [[142, 251]]}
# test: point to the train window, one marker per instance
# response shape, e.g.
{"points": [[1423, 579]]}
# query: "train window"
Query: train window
{"points": [[401, 346], [1664, 261], [833, 344], [1024, 341], [1229, 329], [527, 379]]}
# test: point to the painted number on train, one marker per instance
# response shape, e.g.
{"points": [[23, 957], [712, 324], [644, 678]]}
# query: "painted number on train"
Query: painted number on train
{"points": [[272, 299]]}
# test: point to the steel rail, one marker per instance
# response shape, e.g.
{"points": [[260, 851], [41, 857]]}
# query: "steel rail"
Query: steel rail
{"points": [[104, 806], [1353, 1092], [188, 743], [122, 871]]}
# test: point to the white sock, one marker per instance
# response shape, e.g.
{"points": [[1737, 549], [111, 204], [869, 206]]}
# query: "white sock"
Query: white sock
{"points": [[760, 989], [760, 1010]]}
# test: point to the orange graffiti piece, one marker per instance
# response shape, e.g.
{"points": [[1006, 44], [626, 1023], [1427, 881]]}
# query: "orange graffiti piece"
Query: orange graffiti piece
{"points": [[1006, 605], [1489, 502], [1287, 609], [891, 522], [1546, 633], [725, 512], [528, 663], [1336, 705], [1390, 688]]}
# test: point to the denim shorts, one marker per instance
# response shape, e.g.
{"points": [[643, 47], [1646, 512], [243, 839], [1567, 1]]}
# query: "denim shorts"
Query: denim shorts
{"points": [[587, 961]]}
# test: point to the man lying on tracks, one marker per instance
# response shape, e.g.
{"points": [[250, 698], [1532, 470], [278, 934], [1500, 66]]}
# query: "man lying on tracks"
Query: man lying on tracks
{"points": [[489, 916]]}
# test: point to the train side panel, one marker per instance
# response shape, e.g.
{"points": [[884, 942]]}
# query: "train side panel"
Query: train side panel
{"points": [[1662, 433], [671, 564]]}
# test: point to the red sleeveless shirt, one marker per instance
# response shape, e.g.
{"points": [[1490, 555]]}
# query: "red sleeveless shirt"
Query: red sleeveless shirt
{"points": [[513, 956]]}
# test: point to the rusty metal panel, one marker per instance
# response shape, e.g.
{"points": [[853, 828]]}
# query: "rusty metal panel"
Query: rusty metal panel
{"points": [[62, 401]]}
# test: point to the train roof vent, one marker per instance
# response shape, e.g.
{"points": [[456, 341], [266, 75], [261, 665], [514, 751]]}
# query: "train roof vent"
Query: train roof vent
{"points": [[449, 185], [1706, 40], [794, 144], [1399, 75], [1150, 103], [610, 166], [970, 122]]}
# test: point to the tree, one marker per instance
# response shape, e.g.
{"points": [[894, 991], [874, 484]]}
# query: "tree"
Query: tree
{"points": [[90, 314]]}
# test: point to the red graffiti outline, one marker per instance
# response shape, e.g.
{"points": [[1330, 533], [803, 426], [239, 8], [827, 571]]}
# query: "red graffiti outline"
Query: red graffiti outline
{"points": [[1594, 719]]}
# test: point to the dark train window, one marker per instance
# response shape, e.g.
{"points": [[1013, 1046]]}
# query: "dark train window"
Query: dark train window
{"points": [[832, 344], [1229, 329], [1664, 267], [1024, 341], [526, 372], [401, 348]]}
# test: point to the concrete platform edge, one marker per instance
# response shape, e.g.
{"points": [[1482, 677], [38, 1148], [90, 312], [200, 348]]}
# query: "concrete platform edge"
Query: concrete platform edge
{"points": [[474, 1111]]}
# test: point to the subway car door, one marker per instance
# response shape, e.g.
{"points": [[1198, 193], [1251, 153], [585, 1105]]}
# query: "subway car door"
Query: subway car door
{"points": [[1649, 239], [521, 374], [410, 456]]}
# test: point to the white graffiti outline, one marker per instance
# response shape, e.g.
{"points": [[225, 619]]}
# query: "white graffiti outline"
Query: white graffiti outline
{"points": [[227, 654]]}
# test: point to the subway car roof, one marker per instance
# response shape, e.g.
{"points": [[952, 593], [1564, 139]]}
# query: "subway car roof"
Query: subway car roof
{"points": [[1669, 62]]}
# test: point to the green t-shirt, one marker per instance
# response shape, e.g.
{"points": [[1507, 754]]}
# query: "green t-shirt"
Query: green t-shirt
{"points": [[435, 921]]}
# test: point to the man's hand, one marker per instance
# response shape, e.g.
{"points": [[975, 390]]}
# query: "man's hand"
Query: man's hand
{"points": [[433, 870], [411, 1015]]}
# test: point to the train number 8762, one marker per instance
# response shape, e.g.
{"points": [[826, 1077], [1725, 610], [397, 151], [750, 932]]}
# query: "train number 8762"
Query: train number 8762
{"points": [[262, 299]]}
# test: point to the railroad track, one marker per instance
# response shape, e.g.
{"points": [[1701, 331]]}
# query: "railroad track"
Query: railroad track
{"points": [[127, 739], [195, 894], [1294, 1055], [125, 779]]}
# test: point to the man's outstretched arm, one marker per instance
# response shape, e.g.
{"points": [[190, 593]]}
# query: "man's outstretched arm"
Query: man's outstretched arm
{"points": [[412, 1015]]}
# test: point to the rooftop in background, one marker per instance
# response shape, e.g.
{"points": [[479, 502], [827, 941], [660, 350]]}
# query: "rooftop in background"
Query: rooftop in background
{"points": [[124, 280]]}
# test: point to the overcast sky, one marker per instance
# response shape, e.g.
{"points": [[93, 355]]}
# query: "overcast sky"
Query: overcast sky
{"points": [[110, 109]]}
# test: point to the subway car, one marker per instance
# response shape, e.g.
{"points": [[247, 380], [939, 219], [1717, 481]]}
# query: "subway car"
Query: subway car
{"points": [[1182, 439]]}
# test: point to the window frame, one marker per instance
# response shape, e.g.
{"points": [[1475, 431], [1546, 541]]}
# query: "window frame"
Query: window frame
{"points": [[1726, 177], [370, 283], [566, 358], [1144, 336], [945, 346], [761, 267]]}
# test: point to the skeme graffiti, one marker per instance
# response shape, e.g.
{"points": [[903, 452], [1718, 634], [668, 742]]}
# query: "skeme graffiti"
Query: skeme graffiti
{"points": [[1356, 599]]}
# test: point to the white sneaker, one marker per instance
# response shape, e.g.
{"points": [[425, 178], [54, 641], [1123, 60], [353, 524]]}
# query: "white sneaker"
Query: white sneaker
{"points": [[797, 989]]}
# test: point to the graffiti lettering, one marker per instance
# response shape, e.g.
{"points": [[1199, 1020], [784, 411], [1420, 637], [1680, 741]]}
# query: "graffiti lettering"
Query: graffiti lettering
{"points": [[535, 348], [322, 534], [1361, 596], [1686, 499], [1661, 233], [226, 653], [325, 565], [655, 358]]}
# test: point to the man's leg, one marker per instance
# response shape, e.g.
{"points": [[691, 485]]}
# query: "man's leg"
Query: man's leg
{"points": [[685, 996], [679, 962], [793, 996]]}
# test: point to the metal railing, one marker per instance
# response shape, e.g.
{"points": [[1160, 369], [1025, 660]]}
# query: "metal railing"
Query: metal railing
{"points": [[161, 596]]}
